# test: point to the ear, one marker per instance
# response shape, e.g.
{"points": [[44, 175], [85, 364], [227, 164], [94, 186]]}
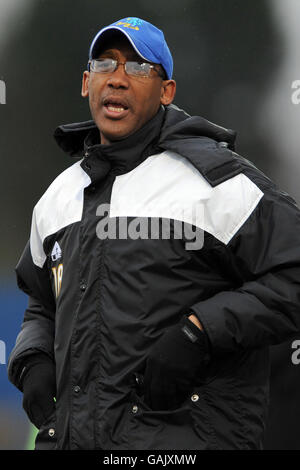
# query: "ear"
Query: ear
{"points": [[168, 91], [85, 84]]}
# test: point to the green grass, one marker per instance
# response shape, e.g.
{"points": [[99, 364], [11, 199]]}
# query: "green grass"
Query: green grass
{"points": [[31, 437]]}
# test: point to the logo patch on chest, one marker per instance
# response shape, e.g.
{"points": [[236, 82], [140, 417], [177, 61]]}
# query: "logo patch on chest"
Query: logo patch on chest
{"points": [[56, 252]]}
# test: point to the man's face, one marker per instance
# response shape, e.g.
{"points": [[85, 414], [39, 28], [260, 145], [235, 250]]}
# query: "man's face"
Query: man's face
{"points": [[120, 104]]}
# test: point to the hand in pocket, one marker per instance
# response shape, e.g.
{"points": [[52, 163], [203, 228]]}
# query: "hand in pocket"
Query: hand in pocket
{"points": [[174, 364]]}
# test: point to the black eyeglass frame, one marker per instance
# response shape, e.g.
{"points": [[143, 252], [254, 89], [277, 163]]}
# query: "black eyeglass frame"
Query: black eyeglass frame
{"points": [[161, 73]]}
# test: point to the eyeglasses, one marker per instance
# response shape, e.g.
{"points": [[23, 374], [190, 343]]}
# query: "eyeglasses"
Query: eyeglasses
{"points": [[136, 69]]}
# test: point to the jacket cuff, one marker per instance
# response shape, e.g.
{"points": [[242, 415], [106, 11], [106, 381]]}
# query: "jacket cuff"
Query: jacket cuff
{"points": [[27, 363], [195, 335]]}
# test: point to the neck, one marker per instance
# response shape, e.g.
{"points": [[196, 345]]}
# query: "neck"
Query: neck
{"points": [[125, 154], [105, 140]]}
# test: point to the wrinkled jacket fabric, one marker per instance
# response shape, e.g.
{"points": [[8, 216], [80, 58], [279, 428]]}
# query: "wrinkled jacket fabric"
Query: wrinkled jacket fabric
{"points": [[98, 304]]}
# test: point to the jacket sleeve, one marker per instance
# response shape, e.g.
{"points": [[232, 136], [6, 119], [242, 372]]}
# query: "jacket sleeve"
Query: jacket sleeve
{"points": [[263, 307], [37, 330]]}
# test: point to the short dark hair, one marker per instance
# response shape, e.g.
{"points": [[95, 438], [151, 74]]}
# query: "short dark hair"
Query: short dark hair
{"points": [[161, 71]]}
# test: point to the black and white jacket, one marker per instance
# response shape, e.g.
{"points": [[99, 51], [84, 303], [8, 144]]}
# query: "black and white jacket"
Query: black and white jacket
{"points": [[112, 263]]}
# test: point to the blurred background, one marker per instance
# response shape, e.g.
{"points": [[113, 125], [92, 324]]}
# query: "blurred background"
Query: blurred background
{"points": [[235, 63]]}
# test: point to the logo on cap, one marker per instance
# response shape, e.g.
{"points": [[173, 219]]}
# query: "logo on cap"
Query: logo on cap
{"points": [[132, 23]]}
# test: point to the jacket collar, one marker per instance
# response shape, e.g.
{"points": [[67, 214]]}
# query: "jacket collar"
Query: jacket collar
{"points": [[206, 145], [125, 154]]}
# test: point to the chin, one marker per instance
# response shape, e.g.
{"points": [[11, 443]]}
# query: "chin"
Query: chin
{"points": [[113, 134]]}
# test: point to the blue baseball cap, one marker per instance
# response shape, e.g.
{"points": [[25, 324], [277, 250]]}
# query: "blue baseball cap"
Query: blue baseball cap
{"points": [[147, 40]]}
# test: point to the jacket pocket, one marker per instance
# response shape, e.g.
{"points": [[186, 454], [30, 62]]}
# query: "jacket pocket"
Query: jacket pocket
{"points": [[46, 437], [165, 429], [218, 411], [203, 424]]}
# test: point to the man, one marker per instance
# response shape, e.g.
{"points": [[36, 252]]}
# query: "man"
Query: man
{"points": [[161, 266]]}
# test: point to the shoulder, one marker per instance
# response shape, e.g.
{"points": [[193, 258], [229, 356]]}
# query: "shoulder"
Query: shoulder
{"points": [[60, 206], [65, 185], [169, 185]]}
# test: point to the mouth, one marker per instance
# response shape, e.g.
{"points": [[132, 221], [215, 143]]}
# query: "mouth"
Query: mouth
{"points": [[115, 108]]}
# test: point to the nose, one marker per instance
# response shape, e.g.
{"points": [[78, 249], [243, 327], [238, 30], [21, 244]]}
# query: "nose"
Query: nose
{"points": [[119, 78]]}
